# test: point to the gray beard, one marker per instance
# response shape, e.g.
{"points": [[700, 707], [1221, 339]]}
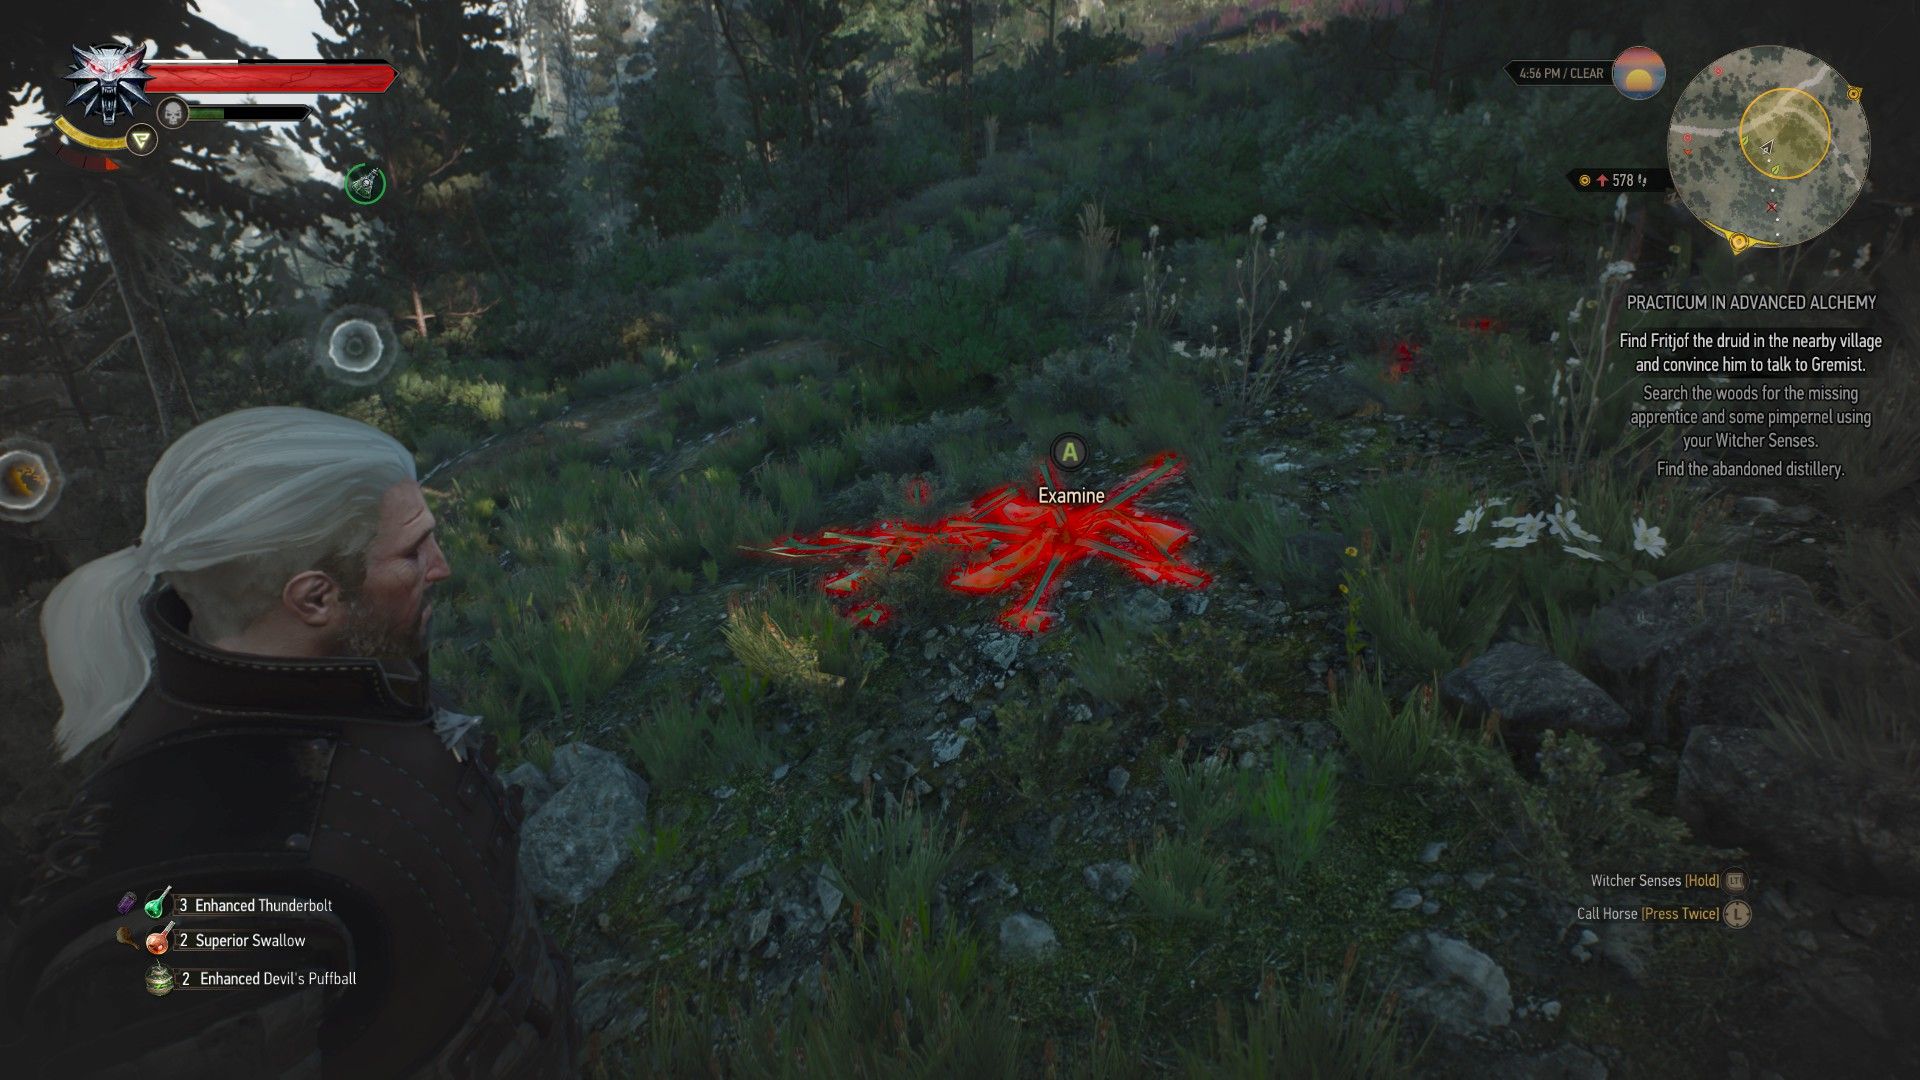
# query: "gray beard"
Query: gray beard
{"points": [[373, 638]]}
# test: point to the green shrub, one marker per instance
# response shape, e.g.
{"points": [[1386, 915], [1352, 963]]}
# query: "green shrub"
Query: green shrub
{"points": [[1320, 1027], [683, 742], [609, 380], [1599, 814], [1178, 880], [1880, 576], [1263, 535], [798, 643], [1202, 793], [1393, 747], [1289, 808], [580, 648], [914, 1004], [1863, 726], [440, 444], [1431, 607], [890, 862], [1107, 658]]}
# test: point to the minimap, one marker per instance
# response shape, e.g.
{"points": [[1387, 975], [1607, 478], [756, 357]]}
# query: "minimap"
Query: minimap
{"points": [[1768, 147]]}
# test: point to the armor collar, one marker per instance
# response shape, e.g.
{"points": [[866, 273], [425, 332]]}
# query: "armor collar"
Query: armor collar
{"points": [[203, 679]]}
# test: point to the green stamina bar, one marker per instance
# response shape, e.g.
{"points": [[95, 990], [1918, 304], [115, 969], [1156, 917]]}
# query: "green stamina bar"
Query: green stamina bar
{"points": [[247, 113]]}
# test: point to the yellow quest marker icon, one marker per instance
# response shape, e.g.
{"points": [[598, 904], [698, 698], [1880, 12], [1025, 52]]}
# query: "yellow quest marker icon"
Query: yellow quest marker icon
{"points": [[1854, 92], [1585, 180]]}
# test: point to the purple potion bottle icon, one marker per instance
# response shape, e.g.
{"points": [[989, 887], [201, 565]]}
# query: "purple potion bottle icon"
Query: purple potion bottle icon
{"points": [[127, 900]]}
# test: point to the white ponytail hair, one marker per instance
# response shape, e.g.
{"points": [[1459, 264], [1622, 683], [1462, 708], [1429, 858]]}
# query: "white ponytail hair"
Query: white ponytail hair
{"points": [[252, 483]]}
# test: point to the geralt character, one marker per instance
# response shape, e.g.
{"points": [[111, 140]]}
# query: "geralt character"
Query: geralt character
{"points": [[256, 664]]}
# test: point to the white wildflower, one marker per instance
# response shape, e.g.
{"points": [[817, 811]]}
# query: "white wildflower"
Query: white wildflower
{"points": [[1306, 305], [1617, 270], [1620, 207], [1519, 391], [1562, 523], [1513, 541], [1153, 232], [1537, 418], [1470, 520], [1259, 222], [1287, 338], [1553, 337], [1574, 315], [1861, 256], [1582, 553], [1903, 211], [1526, 525], [1573, 361], [1647, 538]]}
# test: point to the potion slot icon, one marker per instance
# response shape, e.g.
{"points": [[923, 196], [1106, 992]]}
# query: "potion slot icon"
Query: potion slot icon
{"points": [[157, 903], [160, 940], [159, 979]]}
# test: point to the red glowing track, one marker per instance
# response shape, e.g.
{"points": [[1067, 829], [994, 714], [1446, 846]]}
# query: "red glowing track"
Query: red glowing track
{"points": [[269, 77], [1014, 541]]}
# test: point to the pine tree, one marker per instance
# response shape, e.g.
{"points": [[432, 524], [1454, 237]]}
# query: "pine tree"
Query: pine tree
{"points": [[452, 131]]}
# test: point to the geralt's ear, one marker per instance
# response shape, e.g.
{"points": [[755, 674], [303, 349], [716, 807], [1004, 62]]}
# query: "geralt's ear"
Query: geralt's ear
{"points": [[313, 597]]}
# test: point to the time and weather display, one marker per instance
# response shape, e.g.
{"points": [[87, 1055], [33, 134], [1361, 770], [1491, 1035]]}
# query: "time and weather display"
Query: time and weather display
{"points": [[125, 106], [1768, 145]]}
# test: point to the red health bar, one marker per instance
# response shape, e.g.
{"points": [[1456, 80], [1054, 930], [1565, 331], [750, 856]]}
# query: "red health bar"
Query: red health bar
{"points": [[270, 77]]}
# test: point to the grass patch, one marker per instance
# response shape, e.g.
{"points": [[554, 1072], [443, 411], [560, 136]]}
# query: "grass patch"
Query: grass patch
{"points": [[1319, 1027], [796, 642], [1179, 880], [1106, 658], [683, 742], [1289, 808], [890, 862], [1202, 793], [1392, 746], [574, 655]]}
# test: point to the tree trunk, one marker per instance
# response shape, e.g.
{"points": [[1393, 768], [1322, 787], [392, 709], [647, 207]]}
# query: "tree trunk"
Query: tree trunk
{"points": [[150, 338], [967, 156]]}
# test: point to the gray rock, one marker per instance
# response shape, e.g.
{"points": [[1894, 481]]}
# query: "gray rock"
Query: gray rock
{"points": [[1405, 900], [1117, 778], [1737, 790], [947, 746], [756, 927], [1000, 649], [1341, 394], [1024, 937], [1432, 852], [1698, 648], [575, 757], [1430, 907], [1196, 603], [1759, 507], [575, 842], [1468, 993], [1629, 947], [1111, 881], [535, 788], [1145, 606], [1563, 1062], [826, 892], [1533, 691], [604, 998]]}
